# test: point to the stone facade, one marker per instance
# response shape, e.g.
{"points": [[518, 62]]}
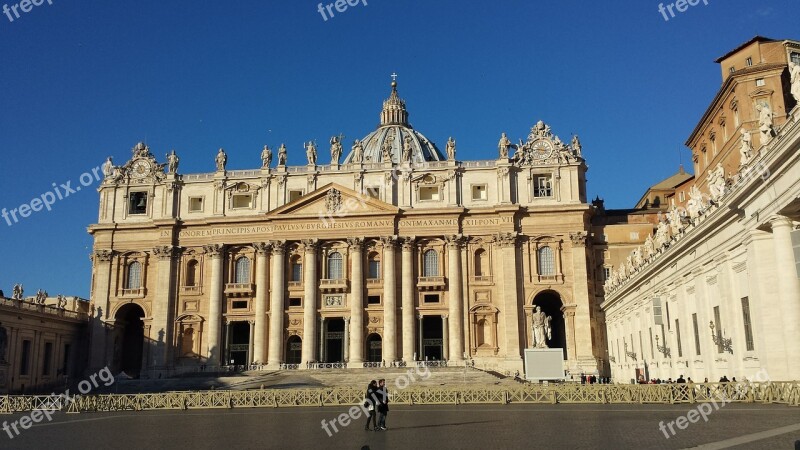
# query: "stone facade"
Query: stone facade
{"points": [[399, 253]]}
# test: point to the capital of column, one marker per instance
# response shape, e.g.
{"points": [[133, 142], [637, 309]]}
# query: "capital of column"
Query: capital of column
{"points": [[455, 241], [262, 248], [213, 250], [408, 243], [164, 252], [778, 221], [278, 247], [355, 243], [310, 245], [389, 241], [579, 239], [507, 239], [102, 255], [445, 316]]}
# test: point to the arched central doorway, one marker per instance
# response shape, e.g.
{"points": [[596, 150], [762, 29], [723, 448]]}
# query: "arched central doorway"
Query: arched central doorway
{"points": [[551, 305], [374, 348], [294, 350], [130, 333]]}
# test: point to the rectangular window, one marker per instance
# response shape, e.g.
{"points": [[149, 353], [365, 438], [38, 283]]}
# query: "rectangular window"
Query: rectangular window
{"points": [[239, 304], [137, 203], [749, 62], [696, 335], [195, 204], [542, 186], [65, 361], [666, 304], [606, 273], [733, 69], [658, 319], [374, 300], [795, 57], [25, 358], [760, 82], [48, 358], [297, 272], [294, 195], [718, 329], [678, 336], [479, 192], [373, 191], [431, 298], [652, 353], [374, 269], [295, 302], [748, 327], [242, 201], [428, 193], [634, 235], [641, 344]]}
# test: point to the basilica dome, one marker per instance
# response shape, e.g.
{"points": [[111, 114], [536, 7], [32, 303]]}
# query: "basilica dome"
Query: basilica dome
{"points": [[391, 135]]}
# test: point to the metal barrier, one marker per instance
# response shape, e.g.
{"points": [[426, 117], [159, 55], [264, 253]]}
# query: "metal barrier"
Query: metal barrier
{"points": [[785, 393]]}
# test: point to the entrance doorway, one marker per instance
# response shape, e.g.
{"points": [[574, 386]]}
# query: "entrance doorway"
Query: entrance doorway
{"points": [[551, 305], [130, 332], [239, 345], [374, 348], [334, 341], [432, 338], [294, 350]]}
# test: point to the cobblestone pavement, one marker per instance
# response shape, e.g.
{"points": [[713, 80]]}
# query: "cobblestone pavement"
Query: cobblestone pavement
{"points": [[429, 427]]}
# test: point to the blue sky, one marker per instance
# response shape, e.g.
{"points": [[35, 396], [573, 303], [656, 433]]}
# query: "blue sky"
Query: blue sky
{"points": [[82, 80]]}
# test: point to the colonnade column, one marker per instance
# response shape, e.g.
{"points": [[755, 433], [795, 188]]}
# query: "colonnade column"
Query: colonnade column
{"points": [[310, 288], [163, 305], [508, 288], [259, 351], [214, 346], [276, 304], [389, 300], [788, 290], [101, 259], [357, 301], [408, 299], [455, 299]]}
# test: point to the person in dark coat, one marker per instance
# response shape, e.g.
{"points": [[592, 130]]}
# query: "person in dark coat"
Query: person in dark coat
{"points": [[383, 404], [370, 401]]}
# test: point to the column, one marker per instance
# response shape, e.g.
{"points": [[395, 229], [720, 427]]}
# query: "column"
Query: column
{"points": [[215, 251], [228, 336], [455, 299], [389, 300], [162, 307], [251, 342], [408, 299], [445, 339], [346, 349], [101, 260], [259, 350], [357, 302], [321, 339], [583, 353], [421, 353], [508, 288], [310, 284], [276, 308], [789, 291]]}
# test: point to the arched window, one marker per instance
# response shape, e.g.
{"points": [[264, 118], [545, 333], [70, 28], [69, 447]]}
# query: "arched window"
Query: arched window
{"points": [[241, 270], [481, 263], [374, 266], [547, 262], [335, 266], [134, 275], [296, 266], [191, 273], [430, 263]]}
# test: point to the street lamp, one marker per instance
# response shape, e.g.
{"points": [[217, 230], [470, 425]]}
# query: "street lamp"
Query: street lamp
{"points": [[724, 343], [663, 350]]}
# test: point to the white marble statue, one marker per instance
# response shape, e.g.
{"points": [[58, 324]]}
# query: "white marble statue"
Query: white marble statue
{"points": [[266, 157], [696, 205], [542, 330], [387, 151], [358, 151], [746, 148], [451, 149], [649, 246], [336, 150], [172, 163], [629, 264], [765, 123], [311, 153], [716, 183], [576, 146], [503, 146], [794, 74], [675, 222], [662, 235], [221, 160], [407, 149], [282, 155], [638, 258], [108, 168]]}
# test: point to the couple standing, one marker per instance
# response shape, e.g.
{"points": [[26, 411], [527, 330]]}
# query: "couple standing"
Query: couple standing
{"points": [[377, 400]]}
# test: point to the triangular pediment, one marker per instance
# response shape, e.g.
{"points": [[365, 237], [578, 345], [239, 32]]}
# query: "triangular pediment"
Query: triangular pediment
{"points": [[333, 200]]}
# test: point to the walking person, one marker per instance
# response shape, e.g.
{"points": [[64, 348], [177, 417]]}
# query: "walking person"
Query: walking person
{"points": [[370, 401], [383, 404]]}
